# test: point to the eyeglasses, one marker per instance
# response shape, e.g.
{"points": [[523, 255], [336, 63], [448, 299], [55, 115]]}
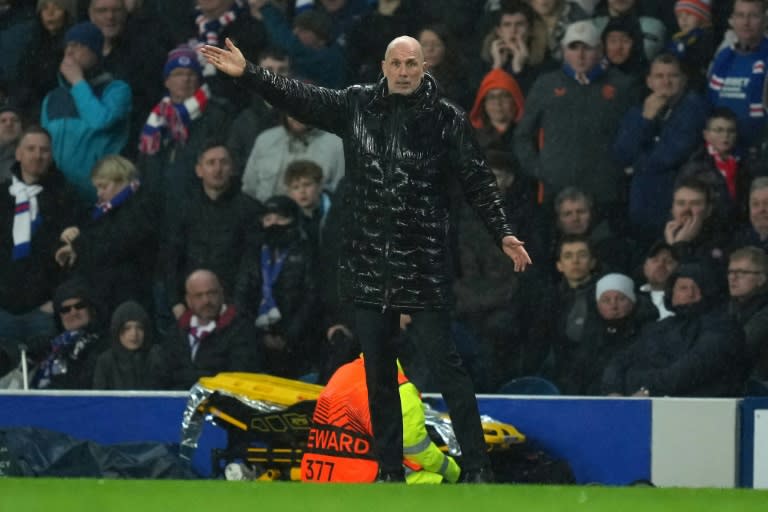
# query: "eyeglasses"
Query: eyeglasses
{"points": [[77, 305], [741, 273]]}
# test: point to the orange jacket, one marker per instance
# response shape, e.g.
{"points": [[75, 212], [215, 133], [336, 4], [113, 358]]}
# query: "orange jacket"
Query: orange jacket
{"points": [[340, 443], [496, 79]]}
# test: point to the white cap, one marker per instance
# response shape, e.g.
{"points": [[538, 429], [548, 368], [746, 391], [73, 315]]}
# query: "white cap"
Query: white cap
{"points": [[581, 32], [617, 283]]}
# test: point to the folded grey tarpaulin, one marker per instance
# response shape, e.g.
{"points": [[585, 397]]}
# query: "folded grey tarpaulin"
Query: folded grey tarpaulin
{"points": [[38, 452]]}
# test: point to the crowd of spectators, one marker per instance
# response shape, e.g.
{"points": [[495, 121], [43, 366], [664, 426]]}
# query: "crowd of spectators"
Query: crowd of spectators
{"points": [[159, 223]]}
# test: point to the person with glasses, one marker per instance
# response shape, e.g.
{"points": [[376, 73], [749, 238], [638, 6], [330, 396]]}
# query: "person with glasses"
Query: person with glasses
{"points": [[68, 360], [720, 165], [698, 352], [747, 278]]}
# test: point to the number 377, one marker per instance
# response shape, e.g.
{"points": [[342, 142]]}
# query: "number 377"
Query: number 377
{"points": [[319, 470]]}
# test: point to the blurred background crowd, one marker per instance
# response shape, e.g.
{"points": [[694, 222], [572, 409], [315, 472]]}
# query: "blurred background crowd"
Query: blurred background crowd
{"points": [[159, 223]]}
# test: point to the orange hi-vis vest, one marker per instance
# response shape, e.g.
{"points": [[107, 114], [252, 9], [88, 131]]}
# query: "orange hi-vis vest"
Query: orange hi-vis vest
{"points": [[340, 443]]}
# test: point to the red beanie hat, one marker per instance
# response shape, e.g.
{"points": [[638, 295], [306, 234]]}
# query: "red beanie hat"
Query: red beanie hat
{"points": [[699, 8]]}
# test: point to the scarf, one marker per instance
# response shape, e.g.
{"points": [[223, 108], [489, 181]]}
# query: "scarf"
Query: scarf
{"points": [[197, 333], [66, 347], [754, 92], [26, 219], [270, 270], [728, 167], [172, 120], [682, 41], [126, 193], [210, 30], [590, 76]]}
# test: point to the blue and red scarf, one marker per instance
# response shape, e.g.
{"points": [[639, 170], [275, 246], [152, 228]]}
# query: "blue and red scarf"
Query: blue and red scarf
{"points": [[126, 193], [171, 121]]}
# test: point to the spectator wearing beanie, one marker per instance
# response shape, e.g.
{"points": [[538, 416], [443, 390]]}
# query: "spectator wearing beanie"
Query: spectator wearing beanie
{"points": [[87, 115], [67, 361], [134, 361], [653, 30], [694, 44], [620, 317], [623, 46], [178, 127], [698, 352]]}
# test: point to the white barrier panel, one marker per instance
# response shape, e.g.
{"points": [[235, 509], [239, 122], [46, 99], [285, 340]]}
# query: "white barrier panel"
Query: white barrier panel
{"points": [[695, 442], [760, 450]]}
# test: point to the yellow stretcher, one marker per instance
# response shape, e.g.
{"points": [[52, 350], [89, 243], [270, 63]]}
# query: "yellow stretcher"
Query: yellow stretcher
{"points": [[267, 420]]}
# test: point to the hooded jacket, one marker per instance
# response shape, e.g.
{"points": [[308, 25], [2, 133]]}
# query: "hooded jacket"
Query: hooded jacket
{"points": [[400, 153], [698, 352], [121, 368], [87, 121], [495, 79]]}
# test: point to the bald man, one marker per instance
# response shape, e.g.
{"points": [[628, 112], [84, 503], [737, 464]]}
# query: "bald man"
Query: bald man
{"points": [[212, 336], [403, 144]]}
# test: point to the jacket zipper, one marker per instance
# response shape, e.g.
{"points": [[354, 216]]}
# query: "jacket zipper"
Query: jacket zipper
{"points": [[388, 206]]}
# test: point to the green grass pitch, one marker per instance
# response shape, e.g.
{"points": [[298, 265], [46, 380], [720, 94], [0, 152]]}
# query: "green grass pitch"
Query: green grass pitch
{"points": [[65, 495]]}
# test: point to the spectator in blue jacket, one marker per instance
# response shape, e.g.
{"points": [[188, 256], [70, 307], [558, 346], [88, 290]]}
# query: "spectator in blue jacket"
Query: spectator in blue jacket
{"points": [[737, 74], [309, 43], [88, 114], [654, 139]]}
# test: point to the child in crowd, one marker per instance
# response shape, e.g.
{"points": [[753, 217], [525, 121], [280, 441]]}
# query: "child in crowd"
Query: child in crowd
{"points": [[694, 45], [304, 182], [133, 361], [718, 165]]}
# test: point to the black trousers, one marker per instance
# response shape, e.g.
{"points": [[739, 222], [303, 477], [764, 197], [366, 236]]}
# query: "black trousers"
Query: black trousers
{"points": [[377, 332]]}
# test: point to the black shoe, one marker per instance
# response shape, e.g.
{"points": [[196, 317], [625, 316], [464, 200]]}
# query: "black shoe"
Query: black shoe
{"points": [[391, 477], [477, 476]]}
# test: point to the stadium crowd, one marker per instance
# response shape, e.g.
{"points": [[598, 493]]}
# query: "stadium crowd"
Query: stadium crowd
{"points": [[159, 223]]}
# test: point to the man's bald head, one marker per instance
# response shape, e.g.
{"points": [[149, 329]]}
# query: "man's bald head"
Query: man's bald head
{"points": [[205, 295], [403, 65], [407, 41]]}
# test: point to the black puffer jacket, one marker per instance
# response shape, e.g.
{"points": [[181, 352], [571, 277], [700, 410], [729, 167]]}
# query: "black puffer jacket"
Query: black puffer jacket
{"points": [[400, 153]]}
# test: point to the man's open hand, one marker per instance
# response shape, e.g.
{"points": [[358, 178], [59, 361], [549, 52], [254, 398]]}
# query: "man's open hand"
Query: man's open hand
{"points": [[229, 60], [515, 250]]}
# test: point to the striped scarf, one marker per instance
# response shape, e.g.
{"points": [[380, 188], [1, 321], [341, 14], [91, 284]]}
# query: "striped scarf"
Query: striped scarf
{"points": [[172, 120], [26, 218], [209, 30]]}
